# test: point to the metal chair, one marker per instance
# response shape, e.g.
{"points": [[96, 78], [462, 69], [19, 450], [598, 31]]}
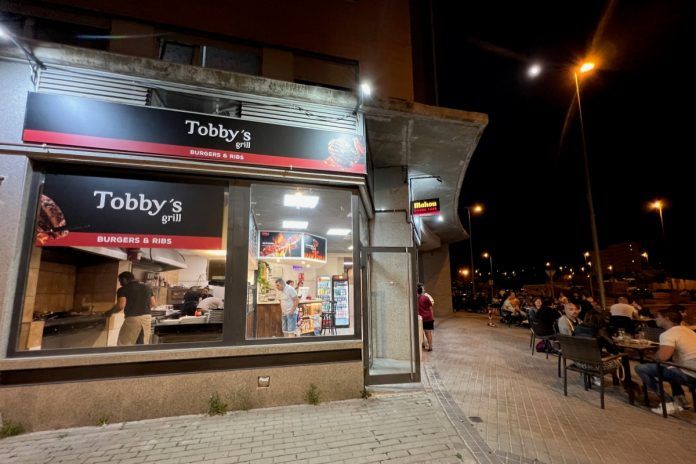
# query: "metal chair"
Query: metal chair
{"points": [[691, 385], [537, 331], [587, 359]]}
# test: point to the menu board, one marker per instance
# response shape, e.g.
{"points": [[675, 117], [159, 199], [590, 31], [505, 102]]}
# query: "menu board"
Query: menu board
{"points": [[275, 244], [291, 245], [314, 247]]}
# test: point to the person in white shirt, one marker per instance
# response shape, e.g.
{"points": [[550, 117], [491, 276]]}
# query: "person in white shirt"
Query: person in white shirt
{"points": [[206, 304], [676, 342], [288, 307], [622, 308]]}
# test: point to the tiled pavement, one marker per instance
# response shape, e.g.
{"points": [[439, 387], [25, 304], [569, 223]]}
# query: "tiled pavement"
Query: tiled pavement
{"points": [[485, 399], [404, 427], [515, 402]]}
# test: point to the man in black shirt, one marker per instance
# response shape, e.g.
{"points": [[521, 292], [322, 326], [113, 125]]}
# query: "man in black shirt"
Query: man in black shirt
{"points": [[135, 299]]}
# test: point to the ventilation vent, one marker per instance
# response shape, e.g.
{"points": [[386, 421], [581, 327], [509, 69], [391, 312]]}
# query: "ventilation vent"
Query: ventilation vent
{"points": [[92, 84], [301, 115]]}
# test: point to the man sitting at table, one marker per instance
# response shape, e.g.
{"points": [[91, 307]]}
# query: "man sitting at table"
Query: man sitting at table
{"points": [[622, 308], [676, 341]]}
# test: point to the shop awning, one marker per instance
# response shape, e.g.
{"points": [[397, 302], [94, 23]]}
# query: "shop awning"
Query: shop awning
{"points": [[428, 141]]}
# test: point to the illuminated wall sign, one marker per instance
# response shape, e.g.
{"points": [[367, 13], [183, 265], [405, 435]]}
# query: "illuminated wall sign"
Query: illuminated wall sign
{"points": [[129, 213], [292, 245], [425, 207], [84, 122]]}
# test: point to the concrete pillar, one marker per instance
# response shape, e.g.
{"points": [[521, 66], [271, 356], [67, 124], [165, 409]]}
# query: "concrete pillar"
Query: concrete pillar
{"points": [[438, 279], [390, 286], [14, 187]]}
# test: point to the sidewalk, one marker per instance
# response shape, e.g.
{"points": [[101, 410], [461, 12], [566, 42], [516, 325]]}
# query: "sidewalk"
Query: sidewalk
{"points": [[484, 399], [403, 427]]}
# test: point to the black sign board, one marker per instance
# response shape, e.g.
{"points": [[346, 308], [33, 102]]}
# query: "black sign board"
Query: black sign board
{"points": [[127, 213], [82, 122], [425, 207]]}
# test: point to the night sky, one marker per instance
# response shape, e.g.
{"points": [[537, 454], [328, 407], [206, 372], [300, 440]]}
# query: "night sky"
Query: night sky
{"points": [[638, 116]]}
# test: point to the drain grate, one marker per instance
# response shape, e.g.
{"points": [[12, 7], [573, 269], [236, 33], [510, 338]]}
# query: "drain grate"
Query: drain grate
{"points": [[475, 419]]}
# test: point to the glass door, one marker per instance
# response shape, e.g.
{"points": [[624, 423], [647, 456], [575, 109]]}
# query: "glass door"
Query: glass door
{"points": [[390, 322]]}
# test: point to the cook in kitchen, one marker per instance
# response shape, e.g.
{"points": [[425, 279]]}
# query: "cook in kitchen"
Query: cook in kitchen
{"points": [[135, 299]]}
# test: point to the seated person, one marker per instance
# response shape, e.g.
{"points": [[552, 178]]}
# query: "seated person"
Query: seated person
{"points": [[676, 342], [569, 320], [546, 316], [622, 308], [206, 304]]}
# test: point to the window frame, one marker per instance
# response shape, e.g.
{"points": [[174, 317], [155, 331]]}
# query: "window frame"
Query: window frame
{"points": [[234, 319]]}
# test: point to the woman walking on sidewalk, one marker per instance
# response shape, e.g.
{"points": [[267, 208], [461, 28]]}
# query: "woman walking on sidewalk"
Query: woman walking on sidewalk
{"points": [[425, 310]]}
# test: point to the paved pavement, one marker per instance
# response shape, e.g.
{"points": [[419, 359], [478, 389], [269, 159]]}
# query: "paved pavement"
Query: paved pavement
{"points": [[515, 403], [484, 399]]}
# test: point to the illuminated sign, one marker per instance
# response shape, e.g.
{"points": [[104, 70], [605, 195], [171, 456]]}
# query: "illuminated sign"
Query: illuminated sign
{"points": [[425, 207]]}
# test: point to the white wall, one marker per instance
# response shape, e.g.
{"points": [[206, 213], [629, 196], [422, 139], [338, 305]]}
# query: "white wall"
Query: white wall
{"points": [[196, 273]]}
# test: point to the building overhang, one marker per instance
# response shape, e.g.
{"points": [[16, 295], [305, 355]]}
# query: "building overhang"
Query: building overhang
{"points": [[427, 141]]}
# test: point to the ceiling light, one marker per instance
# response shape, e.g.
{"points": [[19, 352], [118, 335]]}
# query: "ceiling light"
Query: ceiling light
{"points": [[348, 263], [440, 218], [295, 224], [341, 232], [366, 89], [350, 247], [300, 200]]}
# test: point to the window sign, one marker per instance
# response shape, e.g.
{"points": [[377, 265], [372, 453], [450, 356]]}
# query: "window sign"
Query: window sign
{"points": [[94, 211]]}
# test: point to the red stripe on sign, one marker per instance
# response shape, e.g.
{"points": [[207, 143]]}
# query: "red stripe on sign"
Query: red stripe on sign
{"points": [[96, 239], [180, 151]]}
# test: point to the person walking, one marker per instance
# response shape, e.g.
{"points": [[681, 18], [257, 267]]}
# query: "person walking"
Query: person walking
{"points": [[425, 310]]}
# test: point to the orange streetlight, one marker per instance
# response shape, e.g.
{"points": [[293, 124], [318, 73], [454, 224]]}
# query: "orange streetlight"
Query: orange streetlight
{"points": [[659, 205], [584, 68], [477, 209]]}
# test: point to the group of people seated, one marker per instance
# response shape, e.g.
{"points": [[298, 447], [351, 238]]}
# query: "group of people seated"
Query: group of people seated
{"points": [[584, 317]]}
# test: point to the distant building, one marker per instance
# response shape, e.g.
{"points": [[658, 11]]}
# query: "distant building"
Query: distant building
{"points": [[624, 258]]}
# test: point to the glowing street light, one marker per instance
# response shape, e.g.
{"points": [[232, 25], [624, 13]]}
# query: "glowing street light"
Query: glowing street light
{"points": [[583, 69], [534, 70], [586, 67], [477, 209], [659, 205]]}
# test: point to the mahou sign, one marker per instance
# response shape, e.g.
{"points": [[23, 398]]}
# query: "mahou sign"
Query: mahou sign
{"points": [[128, 213], [425, 207], [83, 122]]}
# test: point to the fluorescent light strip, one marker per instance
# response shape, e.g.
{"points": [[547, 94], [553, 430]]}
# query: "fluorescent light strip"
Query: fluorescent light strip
{"points": [[341, 232], [299, 200], [295, 224]]}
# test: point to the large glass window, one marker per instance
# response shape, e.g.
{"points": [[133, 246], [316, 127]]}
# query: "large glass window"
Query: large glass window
{"points": [[300, 267], [122, 261]]}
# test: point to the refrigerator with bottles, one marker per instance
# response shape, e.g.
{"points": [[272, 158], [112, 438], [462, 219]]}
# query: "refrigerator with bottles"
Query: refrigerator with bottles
{"points": [[340, 296]]}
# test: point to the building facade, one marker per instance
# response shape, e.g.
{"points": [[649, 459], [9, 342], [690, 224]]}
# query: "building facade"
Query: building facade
{"points": [[219, 163]]}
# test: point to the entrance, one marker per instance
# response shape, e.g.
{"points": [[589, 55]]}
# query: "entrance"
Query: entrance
{"points": [[390, 322]]}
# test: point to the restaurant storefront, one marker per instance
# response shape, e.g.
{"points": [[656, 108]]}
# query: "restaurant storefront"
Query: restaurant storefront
{"points": [[214, 199]]}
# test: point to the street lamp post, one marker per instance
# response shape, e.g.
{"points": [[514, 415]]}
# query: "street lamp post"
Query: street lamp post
{"points": [[658, 205], [477, 209], [490, 261], [586, 67]]}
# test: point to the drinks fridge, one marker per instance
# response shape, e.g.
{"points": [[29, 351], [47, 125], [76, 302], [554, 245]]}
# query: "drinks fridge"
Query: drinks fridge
{"points": [[340, 296], [324, 292]]}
